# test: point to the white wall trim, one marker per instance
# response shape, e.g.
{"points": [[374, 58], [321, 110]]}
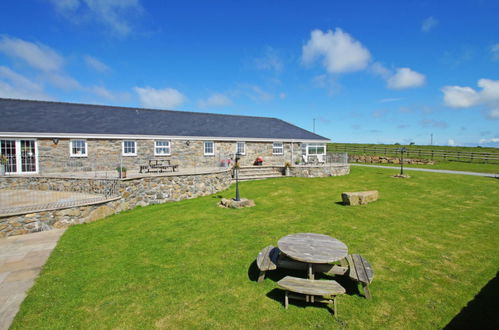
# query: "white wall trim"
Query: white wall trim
{"points": [[148, 137]]}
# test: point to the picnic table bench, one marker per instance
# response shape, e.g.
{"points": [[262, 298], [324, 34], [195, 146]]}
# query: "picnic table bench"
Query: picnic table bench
{"points": [[360, 270], [323, 291], [158, 165]]}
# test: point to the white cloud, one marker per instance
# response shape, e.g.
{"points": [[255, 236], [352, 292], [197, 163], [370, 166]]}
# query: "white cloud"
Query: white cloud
{"points": [[406, 78], [16, 86], [166, 98], [109, 95], [341, 53], [489, 141], [401, 78], [380, 70], [115, 14], [495, 52], [95, 64], [269, 61], [451, 142], [37, 56], [428, 24], [215, 100], [467, 97], [493, 113], [460, 97]]}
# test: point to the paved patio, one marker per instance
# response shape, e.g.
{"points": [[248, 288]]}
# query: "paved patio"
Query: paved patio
{"points": [[21, 259], [16, 201]]}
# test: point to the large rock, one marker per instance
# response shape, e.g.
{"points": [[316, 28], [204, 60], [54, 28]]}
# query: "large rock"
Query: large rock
{"points": [[99, 213], [359, 197], [230, 203]]}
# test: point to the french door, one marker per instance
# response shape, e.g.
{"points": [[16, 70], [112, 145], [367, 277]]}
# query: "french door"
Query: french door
{"points": [[21, 155]]}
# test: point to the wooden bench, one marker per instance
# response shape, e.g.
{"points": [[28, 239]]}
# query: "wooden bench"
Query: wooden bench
{"points": [[323, 291], [158, 165], [267, 260], [329, 269], [360, 270]]}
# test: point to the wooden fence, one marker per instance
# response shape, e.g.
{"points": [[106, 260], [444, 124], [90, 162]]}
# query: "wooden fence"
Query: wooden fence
{"points": [[434, 154]]}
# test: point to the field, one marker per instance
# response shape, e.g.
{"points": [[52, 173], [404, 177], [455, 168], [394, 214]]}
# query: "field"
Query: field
{"points": [[449, 163], [432, 241]]}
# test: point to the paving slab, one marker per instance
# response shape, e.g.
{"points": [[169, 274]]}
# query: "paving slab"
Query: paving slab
{"points": [[21, 260]]}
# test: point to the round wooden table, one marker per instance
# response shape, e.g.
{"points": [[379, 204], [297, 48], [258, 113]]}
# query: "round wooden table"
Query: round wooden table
{"points": [[313, 249]]}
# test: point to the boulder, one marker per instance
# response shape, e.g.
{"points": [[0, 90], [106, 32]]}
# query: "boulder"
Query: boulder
{"points": [[359, 197], [230, 203]]}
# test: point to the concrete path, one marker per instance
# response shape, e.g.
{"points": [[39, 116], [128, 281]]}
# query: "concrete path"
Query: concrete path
{"points": [[21, 259], [491, 175]]}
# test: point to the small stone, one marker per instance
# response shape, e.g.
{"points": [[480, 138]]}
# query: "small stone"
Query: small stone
{"points": [[359, 197]]}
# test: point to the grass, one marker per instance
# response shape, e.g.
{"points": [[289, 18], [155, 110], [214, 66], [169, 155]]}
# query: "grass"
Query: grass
{"points": [[440, 163], [432, 240], [453, 166]]}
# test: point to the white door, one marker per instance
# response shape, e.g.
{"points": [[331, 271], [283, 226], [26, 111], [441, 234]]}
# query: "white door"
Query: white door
{"points": [[21, 155]]}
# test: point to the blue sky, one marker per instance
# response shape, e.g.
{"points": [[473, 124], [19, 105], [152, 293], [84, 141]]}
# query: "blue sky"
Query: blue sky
{"points": [[367, 71]]}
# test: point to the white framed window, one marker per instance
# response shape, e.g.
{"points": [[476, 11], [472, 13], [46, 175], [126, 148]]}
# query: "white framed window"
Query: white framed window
{"points": [[209, 148], [162, 148], [316, 149], [129, 148], [78, 148], [241, 148], [277, 148]]}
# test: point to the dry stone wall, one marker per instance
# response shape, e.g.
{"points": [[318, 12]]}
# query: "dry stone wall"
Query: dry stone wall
{"points": [[386, 160], [127, 194], [319, 171]]}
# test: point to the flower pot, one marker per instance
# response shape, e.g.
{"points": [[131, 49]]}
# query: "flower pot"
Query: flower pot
{"points": [[287, 172], [2, 169]]}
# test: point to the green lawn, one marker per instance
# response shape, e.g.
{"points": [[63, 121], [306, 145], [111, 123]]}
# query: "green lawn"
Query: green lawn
{"points": [[453, 166], [432, 241], [440, 163]]}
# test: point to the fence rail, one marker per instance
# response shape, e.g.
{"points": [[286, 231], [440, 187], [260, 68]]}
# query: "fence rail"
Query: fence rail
{"points": [[434, 154]]}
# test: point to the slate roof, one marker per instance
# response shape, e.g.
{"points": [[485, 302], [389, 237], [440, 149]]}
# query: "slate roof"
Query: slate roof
{"points": [[25, 116]]}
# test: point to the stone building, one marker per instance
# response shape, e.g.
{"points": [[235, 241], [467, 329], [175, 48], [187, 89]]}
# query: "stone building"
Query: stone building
{"points": [[39, 137]]}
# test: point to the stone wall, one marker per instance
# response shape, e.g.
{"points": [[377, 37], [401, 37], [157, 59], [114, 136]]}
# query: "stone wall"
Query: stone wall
{"points": [[320, 171], [127, 194], [386, 160], [105, 154]]}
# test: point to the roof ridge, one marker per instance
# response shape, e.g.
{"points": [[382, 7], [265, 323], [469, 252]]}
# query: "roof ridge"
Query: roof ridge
{"points": [[133, 108]]}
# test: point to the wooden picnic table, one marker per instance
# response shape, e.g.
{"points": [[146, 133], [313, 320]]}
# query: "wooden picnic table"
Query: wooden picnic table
{"points": [[313, 249]]}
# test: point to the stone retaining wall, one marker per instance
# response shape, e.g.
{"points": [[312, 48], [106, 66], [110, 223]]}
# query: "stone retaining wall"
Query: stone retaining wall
{"points": [[386, 160], [320, 171], [128, 193]]}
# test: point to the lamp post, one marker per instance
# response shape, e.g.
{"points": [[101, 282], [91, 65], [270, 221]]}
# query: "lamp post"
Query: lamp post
{"points": [[236, 168], [402, 151]]}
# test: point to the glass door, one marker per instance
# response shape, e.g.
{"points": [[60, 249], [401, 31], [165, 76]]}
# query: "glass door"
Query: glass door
{"points": [[28, 156], [21, 155], [8, 149]]}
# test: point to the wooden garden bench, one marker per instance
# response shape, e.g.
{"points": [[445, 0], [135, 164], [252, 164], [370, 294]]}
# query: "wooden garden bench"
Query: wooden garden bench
{"points": [[360, 270], [323, 291], [158, 165], [267, 260]]}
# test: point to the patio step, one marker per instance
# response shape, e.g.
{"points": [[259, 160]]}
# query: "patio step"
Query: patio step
{"points": [[259, 172]]}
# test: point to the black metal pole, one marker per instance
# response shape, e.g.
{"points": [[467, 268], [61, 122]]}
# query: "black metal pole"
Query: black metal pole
{"points": [[238, 197], [402, 164]]}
